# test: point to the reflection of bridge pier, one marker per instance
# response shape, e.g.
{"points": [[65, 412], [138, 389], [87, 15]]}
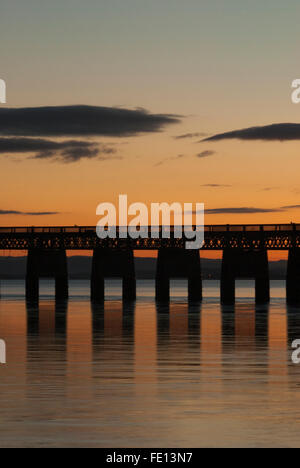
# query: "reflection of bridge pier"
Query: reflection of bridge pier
{"points": [[179, 325], [228, 323], [113, 263], [262, 317], [244, 327], [97, 310], [293, 325], [46, 264], [178, 263], [292, 334], [163, 322], [46, 343], [113, 350], [194, 325], [239, 263], [112, 320], [293, 277], [47, 318]]}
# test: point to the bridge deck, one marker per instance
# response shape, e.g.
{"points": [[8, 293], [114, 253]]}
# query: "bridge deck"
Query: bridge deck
{"points": [[207, 228], [217, 237]]}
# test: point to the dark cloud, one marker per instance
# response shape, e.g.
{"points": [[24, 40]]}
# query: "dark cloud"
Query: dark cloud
{"points": [[247, 210], [275, 132], [242, 210], [28, 213], [290, 207], [63, 151], [205, 154], [216, 185], [189, 135], [62, 121], [250, 210]]}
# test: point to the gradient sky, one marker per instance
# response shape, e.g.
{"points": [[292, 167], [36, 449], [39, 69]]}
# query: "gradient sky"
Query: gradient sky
{"points": [[220, 65]]}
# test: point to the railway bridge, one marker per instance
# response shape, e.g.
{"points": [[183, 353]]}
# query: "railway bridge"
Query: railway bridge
{"points": [[245, 255]]}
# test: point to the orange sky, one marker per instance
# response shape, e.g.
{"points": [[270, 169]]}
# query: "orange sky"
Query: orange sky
{"points": [[198, 63]]}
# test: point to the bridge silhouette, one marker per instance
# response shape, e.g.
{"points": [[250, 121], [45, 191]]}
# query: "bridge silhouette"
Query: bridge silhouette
{"points": [[245, 255]]}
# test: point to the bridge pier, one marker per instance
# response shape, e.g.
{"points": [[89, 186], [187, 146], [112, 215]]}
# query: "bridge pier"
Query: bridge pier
{"points": [[45, 264], [113, 263], [293, 277], [238, 263], [178, 263]]}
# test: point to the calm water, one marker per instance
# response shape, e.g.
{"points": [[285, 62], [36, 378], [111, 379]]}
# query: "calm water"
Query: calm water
{"points": [[144, 376]]}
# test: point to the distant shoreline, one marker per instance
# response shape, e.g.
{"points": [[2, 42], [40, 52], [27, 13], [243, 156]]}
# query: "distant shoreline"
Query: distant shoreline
{"points": [[80, 268]]}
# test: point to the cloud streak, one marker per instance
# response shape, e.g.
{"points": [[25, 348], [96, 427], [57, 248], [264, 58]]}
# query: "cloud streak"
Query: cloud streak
{"points": [[241, 210], [28, 213], [291, 207], [275, 132], [249, 210], [189, 135], [66, 121], [205, 154], [216, 185], [67, 151], [174, 158]]}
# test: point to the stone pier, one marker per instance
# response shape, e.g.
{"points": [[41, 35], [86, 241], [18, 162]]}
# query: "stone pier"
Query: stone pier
{"points": [[178, 263], [293, 278], [113, 263], [238, 263], [46, 264]]}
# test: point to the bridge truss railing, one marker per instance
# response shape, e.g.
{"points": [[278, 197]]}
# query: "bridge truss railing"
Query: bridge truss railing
{"points": [[250, 237], [208, 228]]}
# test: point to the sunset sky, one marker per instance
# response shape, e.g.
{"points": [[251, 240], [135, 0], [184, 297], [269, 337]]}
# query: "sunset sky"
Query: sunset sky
{"points": [[190, 70]]}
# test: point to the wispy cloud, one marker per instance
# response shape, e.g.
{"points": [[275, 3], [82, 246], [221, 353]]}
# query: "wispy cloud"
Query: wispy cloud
{"points": [[174, 158], [216, 185], [241, 210], [205, 154], [268, 189], [249, 210], [274, 132], [67, 151], [190, 135], [290, 207], [28, 213]]}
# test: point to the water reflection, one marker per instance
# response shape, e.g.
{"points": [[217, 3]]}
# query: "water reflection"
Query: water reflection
{"points": [[178, 346], [147, 374], [115, 317], [46, 356], [293, 333], [112, 327], [47, 318], [293, 324]]}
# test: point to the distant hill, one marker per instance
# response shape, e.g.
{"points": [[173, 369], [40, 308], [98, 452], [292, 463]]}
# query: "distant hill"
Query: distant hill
{"points": [[80, 268]]}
